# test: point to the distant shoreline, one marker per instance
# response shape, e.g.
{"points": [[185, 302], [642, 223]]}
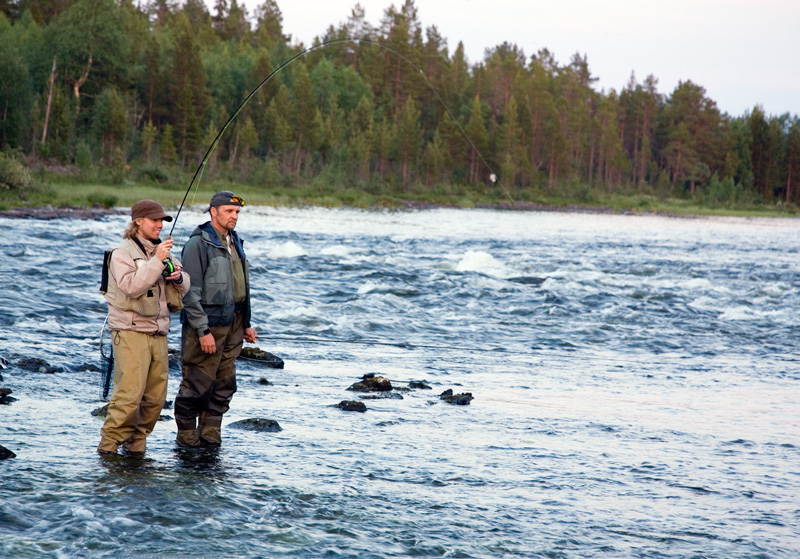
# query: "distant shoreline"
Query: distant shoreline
{"points": [[77, 212], [50, 212], [97, 211]]}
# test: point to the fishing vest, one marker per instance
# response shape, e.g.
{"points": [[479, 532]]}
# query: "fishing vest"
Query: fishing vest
{"points": [[145, 305]]}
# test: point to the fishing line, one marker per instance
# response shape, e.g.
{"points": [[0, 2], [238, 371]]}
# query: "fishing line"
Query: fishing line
{"points": [[201, 168]]}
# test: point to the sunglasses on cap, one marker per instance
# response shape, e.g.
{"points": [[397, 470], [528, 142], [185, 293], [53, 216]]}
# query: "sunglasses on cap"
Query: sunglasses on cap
{"points": [[237, 200]]}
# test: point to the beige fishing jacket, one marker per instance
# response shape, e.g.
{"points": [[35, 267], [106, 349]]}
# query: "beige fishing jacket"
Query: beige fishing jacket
{"points": [[136, 289]]}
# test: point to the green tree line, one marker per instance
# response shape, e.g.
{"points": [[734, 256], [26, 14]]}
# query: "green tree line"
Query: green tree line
{"points": [[123, 89]]}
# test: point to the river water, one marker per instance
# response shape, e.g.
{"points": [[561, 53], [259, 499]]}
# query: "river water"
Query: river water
{"points": [[636, 393]]}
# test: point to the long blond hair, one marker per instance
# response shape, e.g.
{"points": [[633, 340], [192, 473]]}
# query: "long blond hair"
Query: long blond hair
{"points": [[133, 229]]}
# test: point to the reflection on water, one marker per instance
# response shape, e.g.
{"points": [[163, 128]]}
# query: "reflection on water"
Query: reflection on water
{"points": [[635, 384]]}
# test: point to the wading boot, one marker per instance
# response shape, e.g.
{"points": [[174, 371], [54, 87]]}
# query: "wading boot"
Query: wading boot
{"points": [[210, 429], [107, 447], [188, 438], [134, 447]]}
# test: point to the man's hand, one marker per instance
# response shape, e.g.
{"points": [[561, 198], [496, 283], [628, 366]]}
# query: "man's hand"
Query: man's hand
{"points": [[250, 335], [207, 343]]}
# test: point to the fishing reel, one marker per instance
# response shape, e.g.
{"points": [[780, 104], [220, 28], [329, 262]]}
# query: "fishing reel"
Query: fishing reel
{"points": [[169, 268]]}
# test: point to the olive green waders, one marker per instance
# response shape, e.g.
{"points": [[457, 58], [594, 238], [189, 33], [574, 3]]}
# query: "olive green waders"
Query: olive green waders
{"points": [[209, 382], [141, 370]]}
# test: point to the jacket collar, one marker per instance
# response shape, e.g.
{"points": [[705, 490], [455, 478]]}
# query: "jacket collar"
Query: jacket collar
{"points": [[210, 235], [146, 246]]}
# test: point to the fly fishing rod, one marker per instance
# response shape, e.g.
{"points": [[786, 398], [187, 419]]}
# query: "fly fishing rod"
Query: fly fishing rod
{"points": [[195, 182]]}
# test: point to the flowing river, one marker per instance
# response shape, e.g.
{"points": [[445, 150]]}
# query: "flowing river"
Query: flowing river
{"points": [[636, 390]]}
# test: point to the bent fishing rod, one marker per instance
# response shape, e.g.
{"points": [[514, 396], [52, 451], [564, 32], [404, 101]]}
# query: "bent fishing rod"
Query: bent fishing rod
{"points": [[200, 169]]}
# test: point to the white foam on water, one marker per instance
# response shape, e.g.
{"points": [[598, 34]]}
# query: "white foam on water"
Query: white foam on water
{"points": [[484, 263], [81, 512], [49, 324], [336, 250], [374, 287], [705, 303], [289, 249], [746, 313], [297, 313], [697, 284], [124, 522], [775, 289]]}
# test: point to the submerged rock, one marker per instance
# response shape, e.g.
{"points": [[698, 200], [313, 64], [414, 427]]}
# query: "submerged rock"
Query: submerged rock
{"points": [[174, 358], [101, 411], [263, 357], [4, 395], [88, 367], [419, 384], [458, 399], [352, 405], [257, 424], [371, 383], [382, 396], [35, 365], [5, 454]]}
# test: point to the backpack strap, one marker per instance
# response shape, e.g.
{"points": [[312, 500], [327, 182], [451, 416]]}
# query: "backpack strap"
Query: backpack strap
{"points": [[104, 273]]}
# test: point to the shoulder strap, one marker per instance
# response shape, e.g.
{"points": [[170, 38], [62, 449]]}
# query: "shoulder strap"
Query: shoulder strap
{"points": [[104, 273], [140, 245]]}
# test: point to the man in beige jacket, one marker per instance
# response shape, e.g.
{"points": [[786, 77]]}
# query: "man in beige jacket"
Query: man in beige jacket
{"points": [[138, 317]]}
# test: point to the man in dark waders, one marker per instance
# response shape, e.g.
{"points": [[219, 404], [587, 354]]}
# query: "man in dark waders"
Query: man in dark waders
{"points": [[216, 320]]}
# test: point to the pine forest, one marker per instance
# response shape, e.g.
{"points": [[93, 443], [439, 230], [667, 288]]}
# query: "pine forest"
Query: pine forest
{"points": [[128, 92]]}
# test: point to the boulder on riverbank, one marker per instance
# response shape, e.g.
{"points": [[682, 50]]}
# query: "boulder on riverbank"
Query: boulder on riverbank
{"points": [[257, 424]]}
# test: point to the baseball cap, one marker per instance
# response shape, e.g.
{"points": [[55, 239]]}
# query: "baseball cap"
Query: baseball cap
{"points": [[148, 208]]}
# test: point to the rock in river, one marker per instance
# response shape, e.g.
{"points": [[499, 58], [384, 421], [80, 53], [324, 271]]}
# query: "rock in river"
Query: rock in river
{"points": [[371, 383], [5, 453], [264, 357], [102, 412], [257, 424], [36, 365], [419, 384], [458, 399], [352, 405]]}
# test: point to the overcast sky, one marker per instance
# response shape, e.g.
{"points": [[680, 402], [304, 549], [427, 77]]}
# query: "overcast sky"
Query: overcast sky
{"points": [[743, 52]]}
